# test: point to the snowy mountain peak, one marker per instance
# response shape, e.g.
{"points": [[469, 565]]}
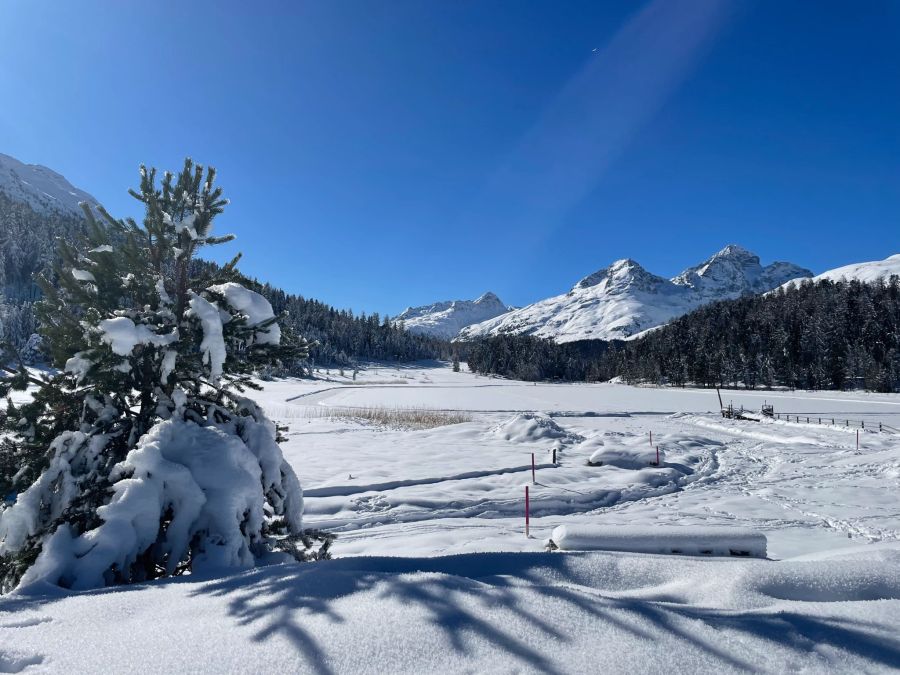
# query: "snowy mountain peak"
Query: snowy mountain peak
{"points": [[447, 318], [41, 188], [624, 299], [489, 298], [621, 274], [737, 252], [735, 271]]}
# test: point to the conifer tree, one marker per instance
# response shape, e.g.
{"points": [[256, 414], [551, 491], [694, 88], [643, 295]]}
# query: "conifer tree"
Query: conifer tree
{"points": [[143, 458]]}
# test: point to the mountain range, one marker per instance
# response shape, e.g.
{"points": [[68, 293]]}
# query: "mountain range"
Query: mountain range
{"points": [[624, 299]]}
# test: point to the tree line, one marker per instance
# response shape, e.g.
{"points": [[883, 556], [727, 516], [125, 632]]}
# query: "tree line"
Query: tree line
{"points": [[824, 335]]}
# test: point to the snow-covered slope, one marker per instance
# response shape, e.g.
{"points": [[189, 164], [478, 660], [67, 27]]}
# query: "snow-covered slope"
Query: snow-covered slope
{"points": [[41, 188], [446, 319], [867, 272], [625, 299]]}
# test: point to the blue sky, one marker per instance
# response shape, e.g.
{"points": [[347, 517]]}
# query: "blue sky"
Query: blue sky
{"points": [[385, 154]]}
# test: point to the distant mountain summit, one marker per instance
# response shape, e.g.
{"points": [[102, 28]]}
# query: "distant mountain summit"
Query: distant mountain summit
{"points": [[446, 319], [624, 299], [735, 271], [41, 188]]}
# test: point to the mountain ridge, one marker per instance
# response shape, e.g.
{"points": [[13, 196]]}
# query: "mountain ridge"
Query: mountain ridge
{"points": [[446, 318], [42, 188], [624, 299]]}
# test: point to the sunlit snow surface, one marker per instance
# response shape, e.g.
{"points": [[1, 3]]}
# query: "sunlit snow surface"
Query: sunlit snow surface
{"points": [[408, 501]]}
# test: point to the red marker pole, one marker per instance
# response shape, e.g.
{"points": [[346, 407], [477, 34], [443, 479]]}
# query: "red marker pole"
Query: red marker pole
{"points": [[657, 455], [527, 511], [533, 479]]}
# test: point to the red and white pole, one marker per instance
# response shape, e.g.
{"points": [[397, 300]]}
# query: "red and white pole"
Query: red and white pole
{"points": [[527, 512]]}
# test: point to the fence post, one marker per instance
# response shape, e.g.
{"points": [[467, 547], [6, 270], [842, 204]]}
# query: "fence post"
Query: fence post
{"points": [[527, 512], [533, 479], [554, 456], [657, 455]]}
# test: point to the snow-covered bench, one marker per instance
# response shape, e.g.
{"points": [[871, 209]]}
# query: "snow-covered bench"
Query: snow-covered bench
{"points": [[692, 540]]}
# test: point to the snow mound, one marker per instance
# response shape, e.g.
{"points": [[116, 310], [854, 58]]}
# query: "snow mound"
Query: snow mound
{"points": [[529, 428], [712, 541], [627, 457], [209, 483]]}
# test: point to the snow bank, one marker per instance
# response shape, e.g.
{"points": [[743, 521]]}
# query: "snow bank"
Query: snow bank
{"points": [[714, 541], [528, 428]]}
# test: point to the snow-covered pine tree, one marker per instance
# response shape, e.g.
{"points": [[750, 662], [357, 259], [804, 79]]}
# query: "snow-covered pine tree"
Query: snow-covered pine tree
{"points": [[142, 458]]}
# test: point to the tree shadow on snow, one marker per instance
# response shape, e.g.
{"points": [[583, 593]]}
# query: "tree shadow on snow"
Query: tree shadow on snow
{"points": [[277, 599], [477, 599]]}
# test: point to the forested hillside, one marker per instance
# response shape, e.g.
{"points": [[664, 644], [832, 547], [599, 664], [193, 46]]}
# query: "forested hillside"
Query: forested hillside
{"points": [[28, 245], [827, 335], [28, 242], [340, 337]]}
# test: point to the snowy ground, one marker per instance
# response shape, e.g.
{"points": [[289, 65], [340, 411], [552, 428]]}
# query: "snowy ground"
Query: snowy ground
{"points": [[827, 600]]}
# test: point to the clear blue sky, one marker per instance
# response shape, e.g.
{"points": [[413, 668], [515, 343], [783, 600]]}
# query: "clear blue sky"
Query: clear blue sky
{"points": [[383, 154]]}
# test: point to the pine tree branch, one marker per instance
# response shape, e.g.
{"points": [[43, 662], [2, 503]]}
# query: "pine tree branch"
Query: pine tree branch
{"points": [[13, 371]]}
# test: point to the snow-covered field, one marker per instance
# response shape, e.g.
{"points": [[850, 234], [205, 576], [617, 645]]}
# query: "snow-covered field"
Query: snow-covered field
{"points": [[435, 573]]}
